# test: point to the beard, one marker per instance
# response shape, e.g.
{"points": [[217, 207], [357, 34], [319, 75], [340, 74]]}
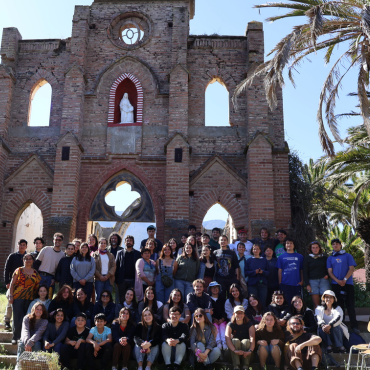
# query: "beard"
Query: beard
{"points": [[296, 331]]}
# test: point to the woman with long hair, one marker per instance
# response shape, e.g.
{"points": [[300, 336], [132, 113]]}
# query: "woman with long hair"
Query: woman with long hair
{"points": [[235, 299], [330, 321], [150, 300], [22, 291], [106, 306], [122, 333], [187, 271], [315, 272], [83, 270], [174, 247], [82, 304], [207, 268], [269, 341], [203, 339], [176, 300], [257, 270], [192, 241], [166, 267], [130, 302], [240, 338], [42, 293], [280, 308], [152, 245], [255, 310], [299, 308], [145, 273], [55, 332], [182, 242], [105, 268], [147, 337], [92, 241], [64, 299], [33, 328]]}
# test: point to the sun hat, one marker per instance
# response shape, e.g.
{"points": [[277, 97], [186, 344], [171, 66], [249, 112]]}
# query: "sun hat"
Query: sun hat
{"points": [[329, 292]]}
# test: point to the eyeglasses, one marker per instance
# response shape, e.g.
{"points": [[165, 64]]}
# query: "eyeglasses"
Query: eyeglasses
{"points": [[58, 240], [200, 315], [105, 295], [295, 323]]}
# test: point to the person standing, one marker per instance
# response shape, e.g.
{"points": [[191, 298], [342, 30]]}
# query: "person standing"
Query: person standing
{"points": [[38, 243], [290, 265], [49, 258], [227, 266], [264, 240], [22, 291], [242, 238], [151, 235], [114, 247], [63, 273], [214, 242], [341, 266], [279, 248], [174, 337], [125, 267], [105, 268], [273, 277], [14, 261]]}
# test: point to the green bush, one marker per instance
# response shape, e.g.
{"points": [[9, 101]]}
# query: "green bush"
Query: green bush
{"points": [[362, 296]]}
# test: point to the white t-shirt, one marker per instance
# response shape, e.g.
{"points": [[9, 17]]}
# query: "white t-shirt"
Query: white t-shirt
{"points": [[104, 263], [248, 247], [49, 259]]}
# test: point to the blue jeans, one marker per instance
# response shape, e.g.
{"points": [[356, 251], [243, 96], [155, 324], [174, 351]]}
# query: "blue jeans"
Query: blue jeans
{"points": [[319, 286], [151, 356], [100, 286], [290, 291], [36, 347], [185, 287], [162, 292], [335, 337], [46, 280], [260, 290], [212, 356], [179, 350], [88, 288]]}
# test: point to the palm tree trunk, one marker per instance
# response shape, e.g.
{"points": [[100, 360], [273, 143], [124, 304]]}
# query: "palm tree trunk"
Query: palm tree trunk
{"points": [[363, 230]]}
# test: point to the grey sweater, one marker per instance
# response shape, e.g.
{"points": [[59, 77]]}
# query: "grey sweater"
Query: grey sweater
{"points": [[83, 270], [30, 337]]}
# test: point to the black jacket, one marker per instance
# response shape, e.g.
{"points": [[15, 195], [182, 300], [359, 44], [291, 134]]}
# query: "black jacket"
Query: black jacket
{"points": [[155, 335], [117, 333], [120, 264], [281, 312], [63, 272], [114, 251], [219, 308], [13, 261], [310, 323], [67, 308], [87, 308], [192, 301], [108, 311], [180, 332]]}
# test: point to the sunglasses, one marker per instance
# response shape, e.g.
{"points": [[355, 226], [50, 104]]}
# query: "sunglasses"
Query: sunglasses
{"points": [[105, 295], [200, 315], [295, 323]]}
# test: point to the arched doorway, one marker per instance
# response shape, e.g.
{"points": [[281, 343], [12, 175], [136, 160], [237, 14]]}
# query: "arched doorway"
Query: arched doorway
{"points": [[29, 225], [122, 205]]}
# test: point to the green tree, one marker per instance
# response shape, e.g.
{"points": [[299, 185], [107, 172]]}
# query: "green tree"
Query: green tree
{"points": [[330, 23]]}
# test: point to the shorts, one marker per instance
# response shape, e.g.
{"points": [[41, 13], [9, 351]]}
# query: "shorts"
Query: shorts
{"points": [[319, 286], [269, 360]]}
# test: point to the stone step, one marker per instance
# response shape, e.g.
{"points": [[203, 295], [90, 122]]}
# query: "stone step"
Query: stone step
{"points": [[8, 348], [5, 336], [6, 360]]}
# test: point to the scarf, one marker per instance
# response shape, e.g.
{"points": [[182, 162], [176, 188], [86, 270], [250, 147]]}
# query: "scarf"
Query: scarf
{"points": [[93, 249], [103, 252], [342, 251]]}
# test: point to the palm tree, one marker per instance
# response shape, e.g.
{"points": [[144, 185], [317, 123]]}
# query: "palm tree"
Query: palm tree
{"points": [[330, 23]]}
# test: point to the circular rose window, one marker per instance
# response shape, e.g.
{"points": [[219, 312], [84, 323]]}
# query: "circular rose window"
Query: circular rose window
{"points": [[130, 30]]}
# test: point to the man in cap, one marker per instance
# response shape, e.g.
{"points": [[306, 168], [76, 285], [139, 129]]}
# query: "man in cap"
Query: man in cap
{"points": [[242, 237], [151, 233]]}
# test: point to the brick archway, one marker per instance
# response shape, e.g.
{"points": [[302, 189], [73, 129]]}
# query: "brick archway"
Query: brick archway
{"points": [[140, 99]]}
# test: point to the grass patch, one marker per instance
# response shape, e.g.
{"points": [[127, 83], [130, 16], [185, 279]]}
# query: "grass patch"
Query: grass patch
{"points": [[3, 303]]}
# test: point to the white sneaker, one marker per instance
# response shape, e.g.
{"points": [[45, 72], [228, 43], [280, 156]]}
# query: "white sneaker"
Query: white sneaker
{"points": [[224, 346]]}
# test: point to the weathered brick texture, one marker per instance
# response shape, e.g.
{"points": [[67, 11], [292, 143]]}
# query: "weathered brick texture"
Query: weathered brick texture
{"points": [[243, 165]]}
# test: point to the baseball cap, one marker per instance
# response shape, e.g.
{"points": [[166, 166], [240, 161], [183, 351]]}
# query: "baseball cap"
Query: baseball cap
{"points": [[239, 308]]}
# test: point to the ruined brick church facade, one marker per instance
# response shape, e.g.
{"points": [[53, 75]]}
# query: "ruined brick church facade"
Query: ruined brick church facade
{"points": [[178, 165]]}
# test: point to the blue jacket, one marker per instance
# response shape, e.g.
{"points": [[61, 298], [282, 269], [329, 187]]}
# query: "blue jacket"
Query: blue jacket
{"points": [[250, 267], [109, 311], [117, 333]]}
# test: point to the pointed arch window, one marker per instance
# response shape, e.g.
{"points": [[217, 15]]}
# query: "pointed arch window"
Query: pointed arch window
{"points": [[217, 103], [40, 104]]}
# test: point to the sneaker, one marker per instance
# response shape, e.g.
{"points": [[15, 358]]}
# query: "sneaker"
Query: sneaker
{"points": [[14, 342], [224, 346], [168, 367], [342, 350], [7, 326], [219, 345], [329, 349]]}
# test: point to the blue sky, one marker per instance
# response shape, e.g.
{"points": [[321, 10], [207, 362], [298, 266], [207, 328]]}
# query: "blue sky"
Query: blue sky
{"points": [[41, 19]]}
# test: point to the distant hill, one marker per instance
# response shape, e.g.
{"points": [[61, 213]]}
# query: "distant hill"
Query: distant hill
{"points": [[209, 225]]}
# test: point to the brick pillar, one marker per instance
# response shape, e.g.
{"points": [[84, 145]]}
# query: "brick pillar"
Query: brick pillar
{"points": [[65, 189], [67, 172], [7, 81], [260, 185], [9, 46], [177, 188]]}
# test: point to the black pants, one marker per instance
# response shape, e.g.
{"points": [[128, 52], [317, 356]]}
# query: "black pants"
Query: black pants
{"points": [[346, 301], [67, 352], [20, 307], [104, 355], [225, 285], [122, 288]]}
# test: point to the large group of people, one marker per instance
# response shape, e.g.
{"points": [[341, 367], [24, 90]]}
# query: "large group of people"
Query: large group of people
{"points": [[200, 299]]}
